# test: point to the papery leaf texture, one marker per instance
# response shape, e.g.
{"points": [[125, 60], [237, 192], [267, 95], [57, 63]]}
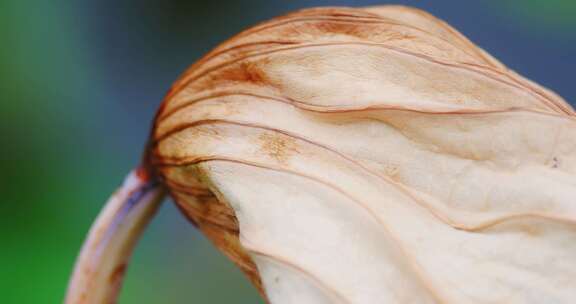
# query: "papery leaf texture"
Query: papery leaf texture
{"points": [[373, 155]]}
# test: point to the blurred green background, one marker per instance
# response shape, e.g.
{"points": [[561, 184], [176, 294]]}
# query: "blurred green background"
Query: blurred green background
{"points": [[80, 81]]}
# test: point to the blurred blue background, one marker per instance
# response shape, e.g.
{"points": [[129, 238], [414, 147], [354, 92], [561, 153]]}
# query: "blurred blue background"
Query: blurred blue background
{"points": [[80, 81]]}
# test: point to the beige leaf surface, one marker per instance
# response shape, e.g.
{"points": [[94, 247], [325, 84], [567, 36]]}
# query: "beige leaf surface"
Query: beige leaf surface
{"points": [[374, 155], [377, 156]]}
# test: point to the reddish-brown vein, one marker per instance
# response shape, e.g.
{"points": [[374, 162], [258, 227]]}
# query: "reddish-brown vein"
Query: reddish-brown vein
{"points": [[458, 66], [352, 108], [162, 161], [411, 260], [348, 21], [292, 265]]}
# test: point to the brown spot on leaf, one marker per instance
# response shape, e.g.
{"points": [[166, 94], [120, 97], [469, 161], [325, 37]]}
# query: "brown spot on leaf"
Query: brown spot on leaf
{"points": [[277, 146], [392, 170], [555, 162], [351, 29], [245, 71]]}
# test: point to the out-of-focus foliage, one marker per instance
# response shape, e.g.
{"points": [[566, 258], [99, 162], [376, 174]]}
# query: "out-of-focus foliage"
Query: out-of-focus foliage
{"points": [[547, 14], [80, 81]]}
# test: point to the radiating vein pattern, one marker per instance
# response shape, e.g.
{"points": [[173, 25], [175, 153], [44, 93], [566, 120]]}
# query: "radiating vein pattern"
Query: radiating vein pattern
{"points": [[374, 156]]}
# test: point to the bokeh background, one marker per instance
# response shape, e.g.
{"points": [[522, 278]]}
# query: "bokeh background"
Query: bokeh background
{"points": [[79, 84]]}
